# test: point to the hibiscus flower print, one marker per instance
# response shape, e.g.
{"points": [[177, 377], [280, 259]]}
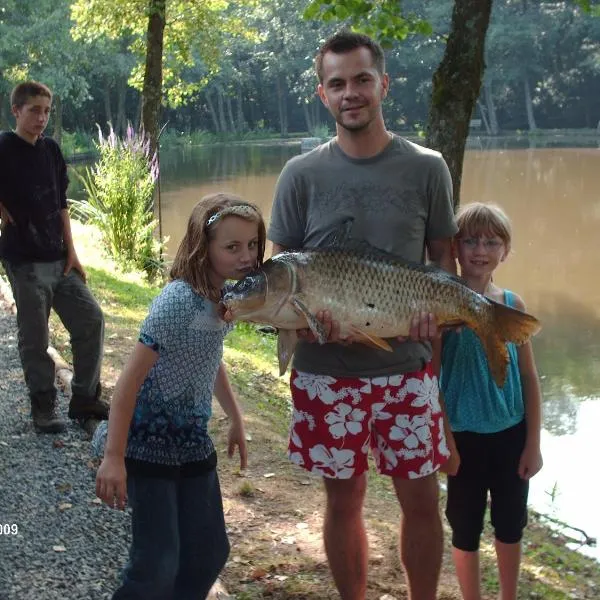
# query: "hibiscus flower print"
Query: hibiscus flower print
{"points": [[296, 458], [412, 432], [344, 419], [332, 463], [442, 445], [378, 411], [391, 381], [384, 455], [426, 469], [427, 392], [316, 386]]}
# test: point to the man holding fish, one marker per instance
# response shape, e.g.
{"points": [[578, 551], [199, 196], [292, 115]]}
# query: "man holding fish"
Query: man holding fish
{"points": [[383, 201], [398, 197]]}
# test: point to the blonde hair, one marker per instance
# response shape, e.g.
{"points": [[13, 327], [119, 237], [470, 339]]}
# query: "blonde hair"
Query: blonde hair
{"points": [[478, 218], [191, 261]]}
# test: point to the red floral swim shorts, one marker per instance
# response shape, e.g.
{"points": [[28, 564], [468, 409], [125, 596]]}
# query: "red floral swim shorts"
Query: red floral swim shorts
{"points": [[336, 420]]}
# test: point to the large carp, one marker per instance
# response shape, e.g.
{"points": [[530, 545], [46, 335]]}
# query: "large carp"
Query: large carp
{"points": [[373, 296]]}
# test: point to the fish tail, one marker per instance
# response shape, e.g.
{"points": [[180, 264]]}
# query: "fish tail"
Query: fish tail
{"points": [[507, 325], [514, 325]]}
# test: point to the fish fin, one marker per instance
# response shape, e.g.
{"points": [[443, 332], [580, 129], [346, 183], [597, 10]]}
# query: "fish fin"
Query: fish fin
{"points": [[314, 324], [497, 356], [369, 339], [513, 324], [286, 344], [509, 325]]}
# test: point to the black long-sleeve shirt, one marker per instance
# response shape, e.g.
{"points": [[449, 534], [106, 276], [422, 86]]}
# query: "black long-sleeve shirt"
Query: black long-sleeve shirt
{"points": [[33, 188]]}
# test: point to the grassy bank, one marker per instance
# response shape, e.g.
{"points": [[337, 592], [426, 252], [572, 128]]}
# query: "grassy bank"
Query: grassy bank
{"points": [[274, 510]]}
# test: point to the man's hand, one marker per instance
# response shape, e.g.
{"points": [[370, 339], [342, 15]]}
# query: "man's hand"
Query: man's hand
{"points": [[332, 329], [423, 328], [72, 262], [237, 437]]}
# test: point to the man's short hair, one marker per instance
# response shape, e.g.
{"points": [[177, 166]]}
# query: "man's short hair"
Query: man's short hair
{"points": [[346, 41], [27, 90]]}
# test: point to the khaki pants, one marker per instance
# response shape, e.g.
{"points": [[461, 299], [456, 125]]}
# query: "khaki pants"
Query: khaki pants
{"points": [[37, 287]]}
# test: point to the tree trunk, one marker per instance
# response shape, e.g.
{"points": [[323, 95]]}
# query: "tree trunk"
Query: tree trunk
{"points": [[241, 122], [491, 108], [212, 111], [456, 85], [57, 135], [281, 106], [152, 90], [309, 122], [4, 102], [528, 104], [230, 113], [221, 110], [121, 123], [107, 109]]}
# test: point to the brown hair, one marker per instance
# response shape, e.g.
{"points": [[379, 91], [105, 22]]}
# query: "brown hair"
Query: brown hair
{"points": [[27, 90], [191, 260], [478, 218], [346, 41]]}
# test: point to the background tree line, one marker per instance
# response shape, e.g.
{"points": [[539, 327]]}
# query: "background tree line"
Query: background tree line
{"points": [[542, 65]]}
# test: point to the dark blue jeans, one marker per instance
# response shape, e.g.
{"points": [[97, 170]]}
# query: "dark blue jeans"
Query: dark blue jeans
{"points": [[179, 541]]}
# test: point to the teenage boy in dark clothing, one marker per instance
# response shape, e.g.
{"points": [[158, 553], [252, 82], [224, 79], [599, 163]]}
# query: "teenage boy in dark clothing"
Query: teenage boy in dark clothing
{"points": [[37, 252]]}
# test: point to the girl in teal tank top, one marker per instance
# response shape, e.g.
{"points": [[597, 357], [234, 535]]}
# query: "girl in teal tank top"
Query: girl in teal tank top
{"points": [[496, 430]]}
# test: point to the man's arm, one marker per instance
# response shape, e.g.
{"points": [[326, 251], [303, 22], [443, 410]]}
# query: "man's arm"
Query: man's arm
{"points": [[441, 254]]}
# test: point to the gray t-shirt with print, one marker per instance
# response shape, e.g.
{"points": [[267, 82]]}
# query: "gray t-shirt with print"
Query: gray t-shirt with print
{"points": [[395, 201]]}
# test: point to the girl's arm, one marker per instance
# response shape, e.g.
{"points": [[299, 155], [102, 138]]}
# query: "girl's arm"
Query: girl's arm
{"points": [[226, 398], [531, 458], [111, 479]]}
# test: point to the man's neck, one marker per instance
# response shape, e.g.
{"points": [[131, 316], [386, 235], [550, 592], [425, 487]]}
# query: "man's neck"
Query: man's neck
{"points": [[30, 139], [364, 143]]}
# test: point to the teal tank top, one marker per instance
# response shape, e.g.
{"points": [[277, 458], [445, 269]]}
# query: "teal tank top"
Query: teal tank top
{"points": [[474, 401]]}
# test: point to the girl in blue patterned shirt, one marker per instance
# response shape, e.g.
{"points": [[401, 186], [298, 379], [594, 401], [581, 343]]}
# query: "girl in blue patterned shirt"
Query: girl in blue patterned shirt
{"points": [[496, 430], [159, 457]]}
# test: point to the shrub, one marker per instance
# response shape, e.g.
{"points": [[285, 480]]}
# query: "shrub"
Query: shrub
{"points": [[120, 188]]}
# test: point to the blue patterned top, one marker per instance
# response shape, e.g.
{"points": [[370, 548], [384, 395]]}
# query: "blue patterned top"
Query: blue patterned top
{"points": [[474, 402], [169, 425]]}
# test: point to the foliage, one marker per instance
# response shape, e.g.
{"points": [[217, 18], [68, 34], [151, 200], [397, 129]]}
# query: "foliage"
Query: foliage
{"points": [[193, 35], [320, 131], [77, 142], [119, 202], [382, 19]]}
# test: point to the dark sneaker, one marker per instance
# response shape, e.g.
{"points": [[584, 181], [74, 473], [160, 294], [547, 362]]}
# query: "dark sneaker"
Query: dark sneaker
{"points": [[86, 407], [45, 419]]}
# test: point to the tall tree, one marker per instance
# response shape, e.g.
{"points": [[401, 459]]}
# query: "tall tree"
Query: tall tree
{"points": [[168, 36], [456, 85]]}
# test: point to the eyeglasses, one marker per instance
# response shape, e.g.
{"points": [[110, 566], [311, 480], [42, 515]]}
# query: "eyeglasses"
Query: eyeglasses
{"points": [[488, 243]]}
